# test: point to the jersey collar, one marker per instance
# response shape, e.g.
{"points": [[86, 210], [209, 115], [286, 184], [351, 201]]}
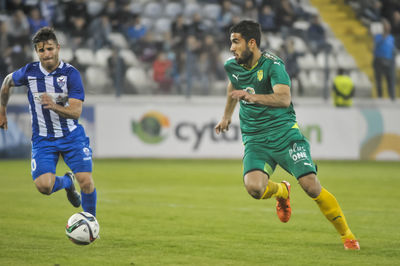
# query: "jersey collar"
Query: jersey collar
{"points": [[44, 71]]}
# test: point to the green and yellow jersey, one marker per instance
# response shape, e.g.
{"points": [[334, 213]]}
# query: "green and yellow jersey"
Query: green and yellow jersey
{"points": [[260, 123]]}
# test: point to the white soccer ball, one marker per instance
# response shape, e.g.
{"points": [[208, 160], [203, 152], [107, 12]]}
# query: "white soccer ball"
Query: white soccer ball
{"points": [[82, 228]]}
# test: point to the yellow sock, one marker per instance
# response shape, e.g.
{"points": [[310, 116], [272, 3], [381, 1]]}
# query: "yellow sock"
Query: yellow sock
{"points": [[332, 211], [275, 190]]}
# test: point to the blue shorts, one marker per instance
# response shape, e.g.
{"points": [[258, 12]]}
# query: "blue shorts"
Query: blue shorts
{"points": [[74, 148]]}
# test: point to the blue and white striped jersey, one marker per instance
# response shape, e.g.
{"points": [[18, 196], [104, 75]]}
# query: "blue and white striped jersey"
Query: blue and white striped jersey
{"points": [[63, 83]]}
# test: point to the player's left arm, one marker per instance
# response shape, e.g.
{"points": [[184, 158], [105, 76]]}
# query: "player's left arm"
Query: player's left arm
{"points": [[73, 110], [280, 98]]}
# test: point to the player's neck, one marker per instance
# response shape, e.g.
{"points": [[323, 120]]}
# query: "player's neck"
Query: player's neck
{"points": [[50, 70], [254, 60]]}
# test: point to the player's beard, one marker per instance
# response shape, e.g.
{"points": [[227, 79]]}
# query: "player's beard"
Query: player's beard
{"points": [[246, 57]]}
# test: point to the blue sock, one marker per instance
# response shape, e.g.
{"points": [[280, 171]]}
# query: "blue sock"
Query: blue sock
{"points": [[61, 182], [89, 202]]}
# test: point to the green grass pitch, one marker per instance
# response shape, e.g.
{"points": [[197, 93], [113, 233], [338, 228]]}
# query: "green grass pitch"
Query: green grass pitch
{"points": [[197, 212]]}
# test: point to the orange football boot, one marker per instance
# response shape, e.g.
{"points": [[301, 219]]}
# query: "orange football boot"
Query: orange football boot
{"points": [[283, 208], [351, 244]]}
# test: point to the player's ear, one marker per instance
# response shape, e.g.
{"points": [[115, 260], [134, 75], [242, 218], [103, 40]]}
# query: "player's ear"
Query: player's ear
{"points": [[252, 43]]}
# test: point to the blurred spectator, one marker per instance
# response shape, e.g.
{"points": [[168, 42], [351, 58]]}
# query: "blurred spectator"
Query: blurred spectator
{"points": [[212, 50], [19, 56], [384, 60], [250, 10], [12, 5], [135, 30], [162, 68], [111, 9], [395, 23], [371, 10], [117, 69], [49, 11], [78, 33], [289, 55], [196, 27], [285, 17], [100, 29], [76, 9], [4, 50], [226, 15], [36, 21], [147, 48], [179, 31], [316, 35], [18, 27], [267, 19], [343, 89], [192, 51], [4, 40]]}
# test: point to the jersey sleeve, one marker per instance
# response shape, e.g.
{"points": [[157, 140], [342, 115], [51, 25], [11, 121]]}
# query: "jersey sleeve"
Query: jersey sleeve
{"points": [[19, 76], [75, 85], [278, 74], [228, 70]]}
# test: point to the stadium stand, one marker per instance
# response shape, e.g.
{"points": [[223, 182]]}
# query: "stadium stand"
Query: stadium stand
{"points": [[158, 18]]}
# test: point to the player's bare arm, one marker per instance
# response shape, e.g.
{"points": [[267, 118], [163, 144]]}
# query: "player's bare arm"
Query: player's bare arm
{"points": [[73, 110], [280, 98], [8, 83], [223, 125]]}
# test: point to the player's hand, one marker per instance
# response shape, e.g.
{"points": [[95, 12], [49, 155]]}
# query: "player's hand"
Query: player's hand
{"points": [[3, 121], [222, 126], [241, 95], [47, 102]]}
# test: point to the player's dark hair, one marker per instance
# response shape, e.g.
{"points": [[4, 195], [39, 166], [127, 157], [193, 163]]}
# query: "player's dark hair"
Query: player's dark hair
{"points": [[248, 29], [43, 35]]}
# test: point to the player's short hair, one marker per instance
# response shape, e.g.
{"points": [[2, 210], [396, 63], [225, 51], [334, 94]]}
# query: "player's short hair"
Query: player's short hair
{"points": [[249, 30], [43, 35]]}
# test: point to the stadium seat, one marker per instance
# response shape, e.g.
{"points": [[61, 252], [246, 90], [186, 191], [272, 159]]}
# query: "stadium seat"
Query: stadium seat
{"points": [[98, 80], [94, 7], [299, 45], [162, 25], [136, 8], [321, 61], [117, 39], [211, 11], [129, 57], [137, 77], [346, 61], [101, 57], [153, 10], [66, 54], [84, 56], [173, 9], [376, 28], [362, 84], [307, 61], [274, 41], [190, 9]]}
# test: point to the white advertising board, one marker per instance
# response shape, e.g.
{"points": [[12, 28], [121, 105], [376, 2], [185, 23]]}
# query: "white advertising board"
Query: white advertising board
{"points": [[185, 130]]}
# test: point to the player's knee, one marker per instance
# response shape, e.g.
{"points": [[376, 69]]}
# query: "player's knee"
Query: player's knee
{"points": [[310, 185], [254, 190], [44, 189], [86, 185]]}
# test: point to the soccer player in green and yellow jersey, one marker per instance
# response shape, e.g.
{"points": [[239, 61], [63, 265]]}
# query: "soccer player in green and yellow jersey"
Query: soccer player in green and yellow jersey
{"points": [[270, 132]]}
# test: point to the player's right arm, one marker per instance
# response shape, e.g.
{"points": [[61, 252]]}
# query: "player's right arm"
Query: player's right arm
{"points": [[5, 92], [223, 125]]}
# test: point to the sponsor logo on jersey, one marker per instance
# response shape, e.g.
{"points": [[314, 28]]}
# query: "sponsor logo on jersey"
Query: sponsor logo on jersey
{"points": [[236, 77], [260, 74], [298, 153]]}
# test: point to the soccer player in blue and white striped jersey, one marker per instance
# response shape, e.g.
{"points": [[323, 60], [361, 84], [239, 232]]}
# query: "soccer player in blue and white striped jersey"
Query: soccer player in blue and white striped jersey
{"points": [[56, 95]]}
